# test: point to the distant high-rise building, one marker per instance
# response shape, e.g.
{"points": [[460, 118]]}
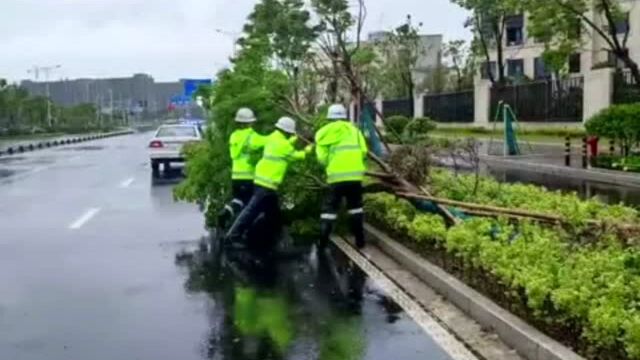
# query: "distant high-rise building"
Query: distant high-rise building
{"points": [[137, 92]]}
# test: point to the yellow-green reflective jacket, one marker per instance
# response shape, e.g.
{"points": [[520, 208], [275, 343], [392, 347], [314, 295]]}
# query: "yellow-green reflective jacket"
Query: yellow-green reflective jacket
{"points": [[243, 145], [342, 150], [278, 153]]}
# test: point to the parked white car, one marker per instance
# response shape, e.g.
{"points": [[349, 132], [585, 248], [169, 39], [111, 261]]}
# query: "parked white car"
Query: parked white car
{"points": [[166, 146]]}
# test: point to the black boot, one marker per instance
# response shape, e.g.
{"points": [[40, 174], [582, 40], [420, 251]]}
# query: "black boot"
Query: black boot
{"points": [[326, 227], [356, 222], [225, 216]]}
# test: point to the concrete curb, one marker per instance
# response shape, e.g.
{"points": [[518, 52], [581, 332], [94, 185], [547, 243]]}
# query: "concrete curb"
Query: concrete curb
{"points": [[49, 143], [603, 176], [524, 338]]}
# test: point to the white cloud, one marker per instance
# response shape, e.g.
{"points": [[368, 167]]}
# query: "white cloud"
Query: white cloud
{"points": [[168, 39]]}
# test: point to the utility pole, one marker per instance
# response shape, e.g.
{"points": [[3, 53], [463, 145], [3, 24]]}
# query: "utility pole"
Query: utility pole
{"points": [[46, 70]]}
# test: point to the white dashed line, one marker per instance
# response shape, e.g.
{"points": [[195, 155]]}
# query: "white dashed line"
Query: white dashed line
{"points": [[431, 327], [126, 183], [84, 218]]}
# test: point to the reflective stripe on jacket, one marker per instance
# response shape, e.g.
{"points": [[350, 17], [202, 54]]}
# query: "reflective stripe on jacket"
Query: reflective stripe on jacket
{"points": [[243, 145], [342, 150], [278, 153]]}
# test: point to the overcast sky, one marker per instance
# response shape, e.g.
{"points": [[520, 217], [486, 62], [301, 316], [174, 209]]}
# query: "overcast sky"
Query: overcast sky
{"points": [[168, 39]]}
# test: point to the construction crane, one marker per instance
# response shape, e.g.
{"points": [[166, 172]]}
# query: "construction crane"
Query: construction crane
{"points": [[46, 71]]}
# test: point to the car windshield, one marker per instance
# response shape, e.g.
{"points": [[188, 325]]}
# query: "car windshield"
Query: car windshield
{"points": [[177, 131]]}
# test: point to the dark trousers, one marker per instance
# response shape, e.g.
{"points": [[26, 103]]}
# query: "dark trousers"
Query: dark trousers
{"points": [[241, 192], [264, 201], [351, 191]]}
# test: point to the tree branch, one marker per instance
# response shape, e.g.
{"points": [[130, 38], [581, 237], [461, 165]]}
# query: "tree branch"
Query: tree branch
{"points": [[612, 27], [587, 21]]}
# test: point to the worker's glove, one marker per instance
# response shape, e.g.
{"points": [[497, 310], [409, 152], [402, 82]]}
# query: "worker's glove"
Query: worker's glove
{"points": [[308, 149]]}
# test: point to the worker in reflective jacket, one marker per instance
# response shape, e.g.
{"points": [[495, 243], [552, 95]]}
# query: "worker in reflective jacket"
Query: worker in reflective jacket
{"points": [[279, 151], [342, 150], [245, 145]]}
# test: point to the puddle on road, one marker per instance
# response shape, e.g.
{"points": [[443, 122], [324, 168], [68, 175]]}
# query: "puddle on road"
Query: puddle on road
{"points": [[303, 307], [11, 159], [4, 173]]}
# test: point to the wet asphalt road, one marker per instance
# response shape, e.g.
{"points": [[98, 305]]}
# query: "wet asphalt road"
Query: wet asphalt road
{"points": [[98, 263]]}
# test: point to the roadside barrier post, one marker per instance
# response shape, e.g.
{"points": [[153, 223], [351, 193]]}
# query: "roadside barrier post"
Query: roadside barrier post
{"points": [[612, 147]]}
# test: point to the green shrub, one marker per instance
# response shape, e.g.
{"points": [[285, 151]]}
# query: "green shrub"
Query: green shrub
{"points": [[396, 124], [618, 122], [593, 289], [616, 162], [419, 128], [527, 197]]}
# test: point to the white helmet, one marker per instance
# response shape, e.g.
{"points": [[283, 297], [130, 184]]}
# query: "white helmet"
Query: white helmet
{"points": [[337, 112], [245, 115], [287, 125]]}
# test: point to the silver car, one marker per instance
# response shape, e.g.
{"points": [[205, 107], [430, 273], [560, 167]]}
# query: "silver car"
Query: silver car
{"points": [[166, 146]]}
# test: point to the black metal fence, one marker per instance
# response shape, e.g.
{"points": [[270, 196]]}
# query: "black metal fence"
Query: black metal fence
{"points": [[398, 107], [450, 107], [542, 101], [625, 90]]}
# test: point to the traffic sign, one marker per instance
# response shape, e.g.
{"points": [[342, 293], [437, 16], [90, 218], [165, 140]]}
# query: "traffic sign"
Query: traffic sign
{"points": [[191, 85]]}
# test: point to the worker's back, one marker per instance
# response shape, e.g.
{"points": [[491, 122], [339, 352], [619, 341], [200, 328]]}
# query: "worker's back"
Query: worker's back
{"points": [[278, 152], [342, 149], [243, 144]]}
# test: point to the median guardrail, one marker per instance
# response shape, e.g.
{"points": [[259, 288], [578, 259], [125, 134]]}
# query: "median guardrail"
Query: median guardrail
{"points": [[21, 148]]}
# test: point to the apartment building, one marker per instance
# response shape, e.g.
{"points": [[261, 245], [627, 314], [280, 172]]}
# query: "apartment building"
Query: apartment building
{"points": [[523, 54], [429, 53]]}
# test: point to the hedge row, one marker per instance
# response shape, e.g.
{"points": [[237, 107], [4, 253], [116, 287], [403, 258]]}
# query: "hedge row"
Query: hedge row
{"points": [[587, 296]]}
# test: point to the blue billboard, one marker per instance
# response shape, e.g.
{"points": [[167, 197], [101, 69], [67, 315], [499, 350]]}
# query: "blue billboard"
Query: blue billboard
{"points": [[191, 85]]}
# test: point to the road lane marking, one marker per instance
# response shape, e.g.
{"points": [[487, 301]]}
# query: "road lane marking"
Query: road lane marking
{"points": [[429, 325], [126, 183], [84, 218]]}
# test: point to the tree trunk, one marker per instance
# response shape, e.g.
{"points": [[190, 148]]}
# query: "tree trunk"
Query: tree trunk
{"points": [[500, 61], [410, 91], [296, 87], [633, 67], [499, 39]]}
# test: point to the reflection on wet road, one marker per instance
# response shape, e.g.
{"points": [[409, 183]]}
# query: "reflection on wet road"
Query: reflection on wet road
{"points": [[315, 306], [97, 262]]}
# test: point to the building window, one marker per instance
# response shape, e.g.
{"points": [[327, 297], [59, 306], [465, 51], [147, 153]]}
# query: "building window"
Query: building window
{"points": [[622, 25], [515, 68], [541, 71], [575, 65], [489, 68], [515, 30]]}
